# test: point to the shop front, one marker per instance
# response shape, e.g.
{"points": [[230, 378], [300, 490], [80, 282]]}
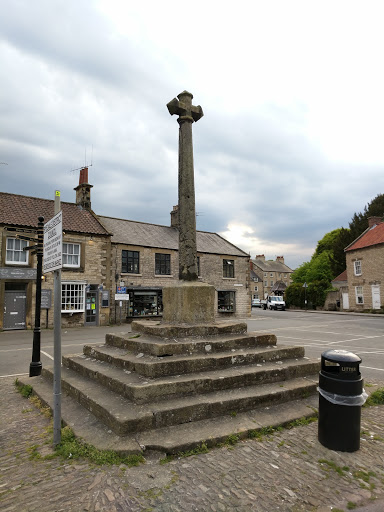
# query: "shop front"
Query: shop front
{"points": [[144, 302]]}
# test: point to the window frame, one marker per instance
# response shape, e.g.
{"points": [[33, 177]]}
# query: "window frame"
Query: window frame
{"points": [[357, 268], [359, 295], [77, 306], [228, 268], [162, 262], [135, 256], [66, 254], [224, 304], [22, 243]]}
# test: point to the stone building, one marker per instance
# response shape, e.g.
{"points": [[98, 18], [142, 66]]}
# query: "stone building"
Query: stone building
{"points": [[144, 260], [273, 276], [365, 268], [86, 259]]}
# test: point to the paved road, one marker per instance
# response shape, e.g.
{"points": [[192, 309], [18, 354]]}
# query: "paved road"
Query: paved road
{"points": [[317, 332], [16, 346]]}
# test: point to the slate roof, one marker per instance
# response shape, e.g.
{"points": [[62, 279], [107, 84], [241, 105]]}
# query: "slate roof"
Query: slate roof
{"points": [[271, 266], [143, 234], [372, 236], [23, 211], [279, 286]]}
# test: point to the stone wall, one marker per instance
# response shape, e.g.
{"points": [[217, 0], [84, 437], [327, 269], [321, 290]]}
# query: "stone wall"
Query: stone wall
{"points": [[211, 272], [372, 273]]}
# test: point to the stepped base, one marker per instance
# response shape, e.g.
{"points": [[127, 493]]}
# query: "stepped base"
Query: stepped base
{"points": [[176, 438], [180, 330]]}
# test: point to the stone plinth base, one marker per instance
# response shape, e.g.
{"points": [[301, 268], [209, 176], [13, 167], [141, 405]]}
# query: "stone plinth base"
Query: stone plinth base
{"points": [[163, 330], [189, 303]]}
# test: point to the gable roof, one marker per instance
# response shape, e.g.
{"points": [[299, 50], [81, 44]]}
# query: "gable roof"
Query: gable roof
{"points": [[371, 236], [271, 266], [23, 211], [143, 234], [341, 277]]}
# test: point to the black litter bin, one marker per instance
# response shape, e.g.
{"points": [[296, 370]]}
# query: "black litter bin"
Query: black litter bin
{"points": [[341, 396]]}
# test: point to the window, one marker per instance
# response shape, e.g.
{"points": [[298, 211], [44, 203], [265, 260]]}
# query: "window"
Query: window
{"points": [[15, 251], [162, 264], [228, 268], [265, 274], [71, 255], [357, 265], [265, 283], [256, 290], [130, 262], [72, 297], [271, 274], [226, 301], [359, 295], [271, 283]]}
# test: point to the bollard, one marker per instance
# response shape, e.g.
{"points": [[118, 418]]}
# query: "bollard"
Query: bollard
{"points": [[341, 396]]}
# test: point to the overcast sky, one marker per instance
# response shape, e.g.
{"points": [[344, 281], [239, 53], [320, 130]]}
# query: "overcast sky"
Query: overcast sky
{"points": [[291, 143]]}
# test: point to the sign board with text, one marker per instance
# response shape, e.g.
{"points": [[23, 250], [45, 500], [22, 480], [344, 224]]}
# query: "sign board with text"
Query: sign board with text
{"points": [[53, 243], [121, 296]]}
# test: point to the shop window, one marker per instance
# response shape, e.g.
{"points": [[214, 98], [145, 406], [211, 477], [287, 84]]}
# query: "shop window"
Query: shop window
{"points": [[162, 264], [226, 301], [130, 262], [71, 255], [72, 297], [145, 303], [228, 268], [15, 252], [359, 295], [357, 266]]}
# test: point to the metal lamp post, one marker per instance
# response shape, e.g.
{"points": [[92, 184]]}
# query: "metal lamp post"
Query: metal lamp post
{"points": [[305, 286]]}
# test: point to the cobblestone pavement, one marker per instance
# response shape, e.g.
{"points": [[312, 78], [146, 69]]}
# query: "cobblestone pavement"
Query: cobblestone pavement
{"points": [[288, 471]]}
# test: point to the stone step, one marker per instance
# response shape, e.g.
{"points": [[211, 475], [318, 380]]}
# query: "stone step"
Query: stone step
{"points": [[152, 366], [142, 389], [123, 416], [174, 439], [156, 346]]}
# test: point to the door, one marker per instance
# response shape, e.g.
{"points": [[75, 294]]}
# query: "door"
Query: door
{"points": [[15, 306], [345, 300], [376, 302], [92, 305]]}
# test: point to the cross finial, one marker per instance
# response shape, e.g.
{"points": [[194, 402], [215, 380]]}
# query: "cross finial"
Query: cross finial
{"points": [[182, 106]]}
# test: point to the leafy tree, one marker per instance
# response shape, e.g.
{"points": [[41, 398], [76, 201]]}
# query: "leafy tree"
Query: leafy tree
{"points": [[359, 222]]}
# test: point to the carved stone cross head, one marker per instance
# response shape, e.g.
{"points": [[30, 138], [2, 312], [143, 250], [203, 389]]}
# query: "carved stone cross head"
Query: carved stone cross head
{"points": [[182, 106]]}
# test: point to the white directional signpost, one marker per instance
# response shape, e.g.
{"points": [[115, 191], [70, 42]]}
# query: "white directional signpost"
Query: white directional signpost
{"points": [[53, 259], [53, 243]]}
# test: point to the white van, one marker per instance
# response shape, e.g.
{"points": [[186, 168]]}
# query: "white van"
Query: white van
{"points": [[275, 302]]}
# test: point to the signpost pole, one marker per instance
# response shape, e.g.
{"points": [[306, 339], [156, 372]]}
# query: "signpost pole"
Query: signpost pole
{"points": [[57, 345]]}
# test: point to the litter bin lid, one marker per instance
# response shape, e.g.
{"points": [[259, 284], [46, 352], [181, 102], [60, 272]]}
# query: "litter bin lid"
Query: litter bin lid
{"points": [[341, 356]]}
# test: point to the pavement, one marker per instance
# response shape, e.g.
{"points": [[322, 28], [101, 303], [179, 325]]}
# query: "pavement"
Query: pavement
{"points": [[289, 471]]}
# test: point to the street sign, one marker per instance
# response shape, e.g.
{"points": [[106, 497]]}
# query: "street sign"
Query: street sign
{"points": [[121, 296], [53, 243], [121, 289]]}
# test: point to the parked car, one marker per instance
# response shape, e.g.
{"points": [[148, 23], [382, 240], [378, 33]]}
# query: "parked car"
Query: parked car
{"points": [[275, 302], [256, 303]]}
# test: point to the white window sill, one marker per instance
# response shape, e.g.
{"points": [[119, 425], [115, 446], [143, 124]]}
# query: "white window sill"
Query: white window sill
{"points": [[163, 275]]}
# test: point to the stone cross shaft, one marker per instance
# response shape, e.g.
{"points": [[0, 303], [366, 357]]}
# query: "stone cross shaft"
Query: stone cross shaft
{"points": [[188, 113]]}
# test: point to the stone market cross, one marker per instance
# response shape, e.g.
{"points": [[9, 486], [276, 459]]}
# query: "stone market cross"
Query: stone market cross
{"points": [[188, 113]]}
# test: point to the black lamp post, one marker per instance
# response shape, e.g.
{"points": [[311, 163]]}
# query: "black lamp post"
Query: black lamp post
{"points": [[35, 365], [305, 286]]}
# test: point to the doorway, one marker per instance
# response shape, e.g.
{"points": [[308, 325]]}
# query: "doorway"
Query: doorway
{"points": [[15, 306], [376, 302]]}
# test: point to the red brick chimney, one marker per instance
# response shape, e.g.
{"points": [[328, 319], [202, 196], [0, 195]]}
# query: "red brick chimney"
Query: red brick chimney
{"points": [[83, 190], [260, 257], [280, 259], [373, 220]]}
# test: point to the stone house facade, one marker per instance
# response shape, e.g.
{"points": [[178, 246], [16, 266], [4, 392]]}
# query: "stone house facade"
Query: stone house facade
{"points": [[144, 260], [273, 276], [365, 268], [86, 259]]}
